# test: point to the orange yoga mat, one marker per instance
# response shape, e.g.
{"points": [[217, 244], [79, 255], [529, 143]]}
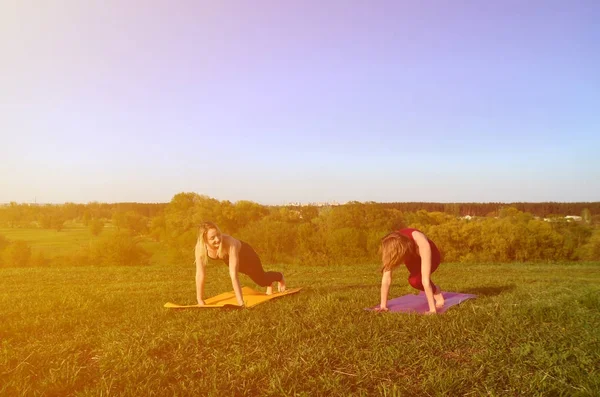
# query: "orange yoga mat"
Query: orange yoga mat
{"points": [[227, 299]]}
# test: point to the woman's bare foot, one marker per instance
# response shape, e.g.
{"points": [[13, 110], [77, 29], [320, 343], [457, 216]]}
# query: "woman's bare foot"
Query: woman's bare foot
{"points": [[270, 290], [439, 298], [281, 284]]}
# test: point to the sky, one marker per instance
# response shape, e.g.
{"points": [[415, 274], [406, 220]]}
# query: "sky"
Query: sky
{"points": [[305, 101]]}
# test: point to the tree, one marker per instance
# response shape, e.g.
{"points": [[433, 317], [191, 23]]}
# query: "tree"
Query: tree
{"points": [[158, 227], [310, 246], [58, 223], [347, 244], [247, 212], [96, 226], [14, 214], [590, 251], [136, 224], [452, 209], [38, 259], [17, 254], [87, 217], [120, 249], [4, 242], [273, 240], [119, 220], [586, 215]]}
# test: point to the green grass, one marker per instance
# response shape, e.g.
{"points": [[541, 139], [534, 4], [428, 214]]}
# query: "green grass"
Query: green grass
{"points": [[533, 330], [50, 242], [69, 240]]}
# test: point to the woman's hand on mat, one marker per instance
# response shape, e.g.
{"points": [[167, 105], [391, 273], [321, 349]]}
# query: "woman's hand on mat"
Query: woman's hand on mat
{"points": [[381, 309]]}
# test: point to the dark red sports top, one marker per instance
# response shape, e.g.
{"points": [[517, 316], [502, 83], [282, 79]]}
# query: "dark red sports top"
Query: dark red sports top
{"points": [[413, 262]]}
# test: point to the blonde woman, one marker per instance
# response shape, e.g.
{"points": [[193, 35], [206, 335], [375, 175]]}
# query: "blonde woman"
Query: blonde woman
{"points": [[421, 257], [237, 255]]}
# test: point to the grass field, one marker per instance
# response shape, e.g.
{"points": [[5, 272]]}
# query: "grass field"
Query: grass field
{"points": [[69, 240], [533, 330], [51, 242]]}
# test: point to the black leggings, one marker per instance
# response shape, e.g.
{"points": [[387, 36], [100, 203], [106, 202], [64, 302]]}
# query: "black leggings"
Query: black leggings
{"points": [[251, 266]]}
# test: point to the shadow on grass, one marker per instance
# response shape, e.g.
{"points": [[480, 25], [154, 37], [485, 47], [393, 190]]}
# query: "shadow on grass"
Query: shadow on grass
{"points": [[343, 287], [490, 291]]}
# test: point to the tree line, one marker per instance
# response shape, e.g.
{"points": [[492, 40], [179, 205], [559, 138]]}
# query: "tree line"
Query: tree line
{"points": [[325, 235], [54, 216]]}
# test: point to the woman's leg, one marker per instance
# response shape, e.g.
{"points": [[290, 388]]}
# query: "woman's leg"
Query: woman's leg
{"points": [[266, 279], [252, 267], [437, 291], [416, 281], [438, 297]]}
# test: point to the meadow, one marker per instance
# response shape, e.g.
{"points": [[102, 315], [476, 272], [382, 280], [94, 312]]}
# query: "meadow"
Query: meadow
{"points": [[54, 244], [533, 330], [50, 242]]}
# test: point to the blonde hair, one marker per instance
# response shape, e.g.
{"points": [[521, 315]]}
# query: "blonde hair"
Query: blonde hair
{"points": [[201, 242], [394, 249]]}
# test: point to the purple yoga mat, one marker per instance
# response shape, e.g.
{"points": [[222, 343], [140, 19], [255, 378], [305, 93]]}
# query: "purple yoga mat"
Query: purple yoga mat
{"points": [[418, 303]]}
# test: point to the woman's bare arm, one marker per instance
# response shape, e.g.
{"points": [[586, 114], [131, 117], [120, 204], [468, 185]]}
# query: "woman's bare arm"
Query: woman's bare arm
{"points": [[386, 281], [200, 272]]}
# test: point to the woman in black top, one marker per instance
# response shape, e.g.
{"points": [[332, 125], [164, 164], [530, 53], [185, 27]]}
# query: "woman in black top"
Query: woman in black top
{"points": [[237, 255]]}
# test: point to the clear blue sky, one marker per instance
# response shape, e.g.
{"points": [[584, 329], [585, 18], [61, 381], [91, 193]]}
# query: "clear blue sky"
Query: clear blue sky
{"points": [[280, 101]]}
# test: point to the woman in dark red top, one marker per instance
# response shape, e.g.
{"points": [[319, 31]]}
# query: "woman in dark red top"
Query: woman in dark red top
{"points": [[421, 257]]}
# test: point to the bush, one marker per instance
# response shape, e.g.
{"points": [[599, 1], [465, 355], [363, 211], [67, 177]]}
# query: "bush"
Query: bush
{"points": [[38, 259], [347, 245], [120, 249], [591, 250], [273, 240], [96, 226], [17, 254], [4, 242]]}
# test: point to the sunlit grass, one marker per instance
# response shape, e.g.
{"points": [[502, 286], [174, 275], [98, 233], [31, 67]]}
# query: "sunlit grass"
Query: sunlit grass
{"points": [[52, 243], [533, 330], [68, 241]]}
